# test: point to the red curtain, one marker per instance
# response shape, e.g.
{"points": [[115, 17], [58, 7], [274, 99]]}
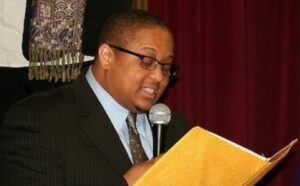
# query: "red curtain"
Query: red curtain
{"points": [[239, 72]]}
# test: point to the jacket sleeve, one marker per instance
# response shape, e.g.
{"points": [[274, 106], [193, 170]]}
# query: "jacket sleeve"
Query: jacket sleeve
{"points": [[26, 158]]}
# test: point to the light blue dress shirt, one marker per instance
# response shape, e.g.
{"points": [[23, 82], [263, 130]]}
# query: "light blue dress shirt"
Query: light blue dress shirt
{"points": [[118, 114]]}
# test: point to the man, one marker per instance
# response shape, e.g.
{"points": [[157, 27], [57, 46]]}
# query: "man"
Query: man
{"points": [[78, 134]]}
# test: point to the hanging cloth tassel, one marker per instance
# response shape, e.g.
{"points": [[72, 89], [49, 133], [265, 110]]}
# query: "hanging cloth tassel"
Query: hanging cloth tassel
{"points": [[55, 39]]}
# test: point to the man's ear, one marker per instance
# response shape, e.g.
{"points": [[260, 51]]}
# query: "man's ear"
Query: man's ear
{"points": [[105, 55]]}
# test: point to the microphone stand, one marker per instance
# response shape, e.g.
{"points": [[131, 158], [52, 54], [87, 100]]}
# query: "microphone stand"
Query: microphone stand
{"points": [[157, 141], [158, 138]]}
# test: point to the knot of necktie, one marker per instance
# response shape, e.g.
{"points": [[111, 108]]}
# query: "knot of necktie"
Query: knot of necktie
{"points": [[131, 121]]}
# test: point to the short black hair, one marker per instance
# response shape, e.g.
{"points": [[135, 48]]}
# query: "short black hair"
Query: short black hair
{"points": [[119, 28]]}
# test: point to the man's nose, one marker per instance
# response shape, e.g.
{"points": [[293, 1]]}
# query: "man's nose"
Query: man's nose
{"points": [[158, 74]]}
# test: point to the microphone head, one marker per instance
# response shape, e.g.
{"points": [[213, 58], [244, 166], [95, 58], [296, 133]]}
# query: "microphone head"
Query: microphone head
{"points": [[160, 114]]}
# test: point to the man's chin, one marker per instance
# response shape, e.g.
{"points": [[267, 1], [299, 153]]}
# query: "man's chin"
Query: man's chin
{"points": [[144, 107]]}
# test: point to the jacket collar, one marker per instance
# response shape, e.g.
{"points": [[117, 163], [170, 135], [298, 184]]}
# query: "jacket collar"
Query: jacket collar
{"points": [[96, 124]]}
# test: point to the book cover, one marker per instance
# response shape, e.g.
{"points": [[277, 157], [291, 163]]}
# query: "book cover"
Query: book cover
{"points": [[204, 158]]}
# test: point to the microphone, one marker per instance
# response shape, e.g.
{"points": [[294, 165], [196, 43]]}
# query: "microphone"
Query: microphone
{"points": [[159, 115]]}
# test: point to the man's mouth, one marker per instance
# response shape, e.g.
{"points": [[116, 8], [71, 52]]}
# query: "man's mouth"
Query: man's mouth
{"points": [[148, 90]]}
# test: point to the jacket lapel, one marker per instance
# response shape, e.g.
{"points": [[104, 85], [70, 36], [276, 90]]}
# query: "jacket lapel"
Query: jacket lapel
{"points": [[96, 124]]}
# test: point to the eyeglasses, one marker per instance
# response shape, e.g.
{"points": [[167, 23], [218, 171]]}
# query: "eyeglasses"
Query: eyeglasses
{"points": [[150, 63]]}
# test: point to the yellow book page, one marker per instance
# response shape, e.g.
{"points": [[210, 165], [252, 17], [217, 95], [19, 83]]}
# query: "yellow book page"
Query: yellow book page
{"points": [[202, 158], [274, 160]]}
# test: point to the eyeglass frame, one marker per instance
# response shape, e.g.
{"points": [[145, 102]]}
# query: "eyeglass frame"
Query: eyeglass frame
{"points": [[168, 72]]}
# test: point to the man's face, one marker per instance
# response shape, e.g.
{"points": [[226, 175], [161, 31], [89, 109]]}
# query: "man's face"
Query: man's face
{"points": [[134, 87]]}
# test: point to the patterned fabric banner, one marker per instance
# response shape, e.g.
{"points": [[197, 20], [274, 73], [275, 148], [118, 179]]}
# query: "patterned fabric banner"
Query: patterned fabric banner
{"points": [[55, 39]]}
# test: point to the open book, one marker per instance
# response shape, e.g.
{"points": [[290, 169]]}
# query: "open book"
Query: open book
{"points": [[204, 158]]}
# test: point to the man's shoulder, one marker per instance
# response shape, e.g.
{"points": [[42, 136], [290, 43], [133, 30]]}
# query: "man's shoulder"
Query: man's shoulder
{"points": [[54, 97], [177, 116], [44, 106], [50, 101], [179, 123], [60, 94]]}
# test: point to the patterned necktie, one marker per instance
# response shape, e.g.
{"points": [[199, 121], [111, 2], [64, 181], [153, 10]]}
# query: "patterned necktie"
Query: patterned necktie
{"points": [[136, 148]]}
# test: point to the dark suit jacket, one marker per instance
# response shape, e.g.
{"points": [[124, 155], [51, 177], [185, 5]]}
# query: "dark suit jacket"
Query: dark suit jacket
{"points": [[64, 137]]}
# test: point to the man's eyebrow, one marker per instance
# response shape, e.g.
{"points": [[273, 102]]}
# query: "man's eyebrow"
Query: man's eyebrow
{"points": [[171, 56], [149, 48], [154, 50]]}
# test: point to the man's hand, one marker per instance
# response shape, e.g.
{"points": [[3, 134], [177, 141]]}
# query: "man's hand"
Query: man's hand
{"points": [[135, 172]]}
